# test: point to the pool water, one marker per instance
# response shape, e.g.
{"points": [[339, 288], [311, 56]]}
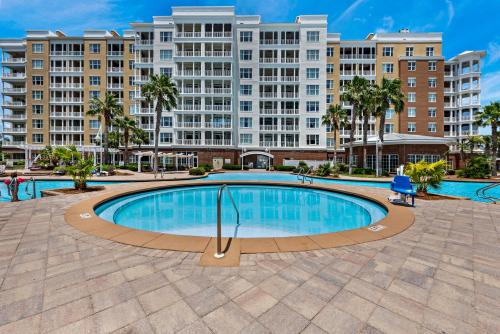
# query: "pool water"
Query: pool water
{"points": [[25, 194], [452, 188], [265, 211]]}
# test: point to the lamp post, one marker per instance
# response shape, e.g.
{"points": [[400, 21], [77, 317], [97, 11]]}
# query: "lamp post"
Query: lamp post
{"points": [[378, 144], [243, 150], [268, 151]]}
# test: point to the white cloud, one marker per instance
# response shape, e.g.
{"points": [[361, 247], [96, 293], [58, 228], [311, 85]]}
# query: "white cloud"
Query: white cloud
{"points": [[490, 87], [451, 11], [348, 12], [387, 24], [493, 52]]}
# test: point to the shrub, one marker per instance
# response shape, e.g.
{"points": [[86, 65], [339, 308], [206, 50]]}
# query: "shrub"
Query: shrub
{"points": [[425, 174], [197, 171], [324, 169], [301, 165], [478, 167], [233, 167], [358, 170], [81, 171], [60, 170], [342, 168], [369, 171], [450, 172], [206, 167], [283, 168]]}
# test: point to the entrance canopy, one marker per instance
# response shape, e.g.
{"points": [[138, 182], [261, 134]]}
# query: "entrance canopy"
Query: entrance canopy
{"points": [[267, 154]]}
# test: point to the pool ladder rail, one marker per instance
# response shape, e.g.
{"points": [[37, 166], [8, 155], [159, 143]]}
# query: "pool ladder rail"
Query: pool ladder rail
{"points": [[304, 175], [481, 193], [220, 254]]}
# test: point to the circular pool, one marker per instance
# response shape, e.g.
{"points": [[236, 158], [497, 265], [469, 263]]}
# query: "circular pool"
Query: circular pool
{"points": [[264, 210]]}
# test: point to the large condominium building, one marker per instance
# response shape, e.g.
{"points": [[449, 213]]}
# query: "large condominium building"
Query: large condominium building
{"points": [[244, 85]]}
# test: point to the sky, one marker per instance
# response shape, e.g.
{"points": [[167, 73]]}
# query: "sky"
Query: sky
{"points": [[466, 24]]}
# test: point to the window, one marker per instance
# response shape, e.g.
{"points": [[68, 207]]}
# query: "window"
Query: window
{"points": [[432, 82], [94, 80], [313, 36], [245, 73], [330, 51], [246, 106], [165, 54], [432, 112], [312, 73], [131, 80], [412, 97], [312, 89], [37, 138], [429, 51], [37, 48], [93, 139], [165, 138], [37, 64], [94, 124], [37, 109], [412, 112], [389, 113], [166, 122], [245, 138], [37, 80], [412, 66], [329, 98], [246, 36], [165, 36], [94, 64], [245, 89], [431, 127], [389, 128], [37, 95], [431, 97], [37, 123], [245, 54], [94, 48], [388, 68], [412, 127], [312, 123], [412, 82], [131, 64], [312, 139], [329, 84], [245, 122], [166, 71], [329, 68], [94, 94], [312, 106], [387, 51], [409, 51], [432, 66], [312, 55], [131, 48]]}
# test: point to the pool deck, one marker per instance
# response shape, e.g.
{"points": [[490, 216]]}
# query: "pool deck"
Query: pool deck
{"points": [[441, 275]]}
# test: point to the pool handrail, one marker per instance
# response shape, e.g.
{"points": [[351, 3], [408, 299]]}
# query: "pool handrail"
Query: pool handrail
{"points": [[220, 254], [481, 192]]}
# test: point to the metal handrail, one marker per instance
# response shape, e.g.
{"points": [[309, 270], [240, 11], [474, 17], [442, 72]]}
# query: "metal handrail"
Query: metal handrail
{"points": [[33, 188], [306, 176], [303, 175], [481, 193], [219, 254]]}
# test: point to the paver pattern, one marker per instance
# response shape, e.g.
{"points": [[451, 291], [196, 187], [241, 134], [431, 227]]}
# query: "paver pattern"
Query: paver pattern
{"points": [[442, 275]]}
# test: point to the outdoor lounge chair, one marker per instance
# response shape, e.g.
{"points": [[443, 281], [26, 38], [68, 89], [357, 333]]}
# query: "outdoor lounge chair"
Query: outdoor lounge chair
{"points": [[401, 185]]}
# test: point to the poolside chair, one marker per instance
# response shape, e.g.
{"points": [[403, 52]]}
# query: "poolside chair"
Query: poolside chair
{"points": [[401, 185], [2, 169]]}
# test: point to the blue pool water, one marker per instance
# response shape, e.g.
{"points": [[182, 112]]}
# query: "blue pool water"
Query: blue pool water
{"points": [[265, 211], [452, 188], [25, 194]]}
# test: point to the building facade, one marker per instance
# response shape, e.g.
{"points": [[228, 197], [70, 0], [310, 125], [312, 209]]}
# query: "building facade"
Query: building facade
{"points": [[244, 85]]}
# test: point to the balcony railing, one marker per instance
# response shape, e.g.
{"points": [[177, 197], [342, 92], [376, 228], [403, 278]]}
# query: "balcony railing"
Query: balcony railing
{"points": [[14, 60], [14, 130], [65, 100], [14, 90], [219, 34], [66, 114], [66, 128], [290, 111], [268, 95], [114, 69], [115, 86], [15, 117], [189, 124], [197, 53], [188, 73], [357, 56], [191, 34], [218, 54], [115, 53], [218, 142], [189, 90], [189, 107], [13, 104], [144, 42], [268, 143], [218, 125], [66, 69], [268, 127], [218, 73], [289, 128], [67, 53], [289, 144], [141, 61], [209, 90], [268, 111], [66, 85], [14, 76], [215, 107]]}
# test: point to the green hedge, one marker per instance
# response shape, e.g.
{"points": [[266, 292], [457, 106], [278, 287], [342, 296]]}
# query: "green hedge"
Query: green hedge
{"points": [[197, 171], [282, 168], [234, 167]]}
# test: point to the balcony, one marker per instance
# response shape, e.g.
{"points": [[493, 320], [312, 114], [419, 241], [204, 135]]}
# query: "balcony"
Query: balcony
{"points": [[14, 76], [144, 61], [268, 60], [222, 91], [218, 54], [215, 107], [268, 143], [218, 142], [290, 60], [269, 41], [189, 107], [7, 91], [289, 128], [66, 128], [188, 53], [268, 78], [67, 69], [114, 70], [188, 73], [14, 61], [218, 125], [269, 128], [66, 86], [357, 56], [66, 100], [14, 130], [189, 90], [149, 127], [218, 73], [290, 111], [289, 144], [290, 41], [115, 53], [268, 95], [14, 104], [219, 34], [191, 34], [289, 78], [190, 142], [66, 114], [14, 143], [268, 111], [289, 95], [189, 124], [115, 86], [14, 117], [67, 53], [144, 42]]}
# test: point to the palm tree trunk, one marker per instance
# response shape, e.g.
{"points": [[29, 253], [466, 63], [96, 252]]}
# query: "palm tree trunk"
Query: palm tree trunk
{"points": [[494, 148], [157, 134], [365, 139], [381, 131], [126, 139], [105, 137], [335, 147], [351, 136]]}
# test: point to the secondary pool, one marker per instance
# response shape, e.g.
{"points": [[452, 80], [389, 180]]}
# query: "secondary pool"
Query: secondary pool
{"points": [[265, 211], [452, 188]]}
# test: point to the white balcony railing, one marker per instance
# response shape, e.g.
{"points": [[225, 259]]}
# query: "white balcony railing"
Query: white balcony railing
{"points": [[14, 60], [17, 117], [191, 34], [66, 69], [189, 90], [218, 73], [66, 128], [219, 34], [268, 127], [115, 53], [115, 86], [210, 90], [289, 128], [189, 107], [218, 54], [115, 69], [218, 142], [189, 124], [290, 111], [67, 53], [268, 111], [14, 130], [209, 107], [196, 53], [218, 125], [66, 85], [66, 114], [14, 75], [268, 143], [188, 73], [11, 104], [66, 100], [14, 90]]}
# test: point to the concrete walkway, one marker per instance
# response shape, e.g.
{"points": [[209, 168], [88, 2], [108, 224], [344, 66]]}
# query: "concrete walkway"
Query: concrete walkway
{"points": [[440, 276]]}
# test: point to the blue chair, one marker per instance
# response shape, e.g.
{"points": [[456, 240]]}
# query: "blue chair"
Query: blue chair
{"points": [[401, 184]]}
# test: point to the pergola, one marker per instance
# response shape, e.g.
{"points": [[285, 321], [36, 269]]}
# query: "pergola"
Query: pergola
{"points": [[163, 156]]}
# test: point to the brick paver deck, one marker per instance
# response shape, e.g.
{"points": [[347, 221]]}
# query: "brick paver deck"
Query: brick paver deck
{"points": [[442, 275]]}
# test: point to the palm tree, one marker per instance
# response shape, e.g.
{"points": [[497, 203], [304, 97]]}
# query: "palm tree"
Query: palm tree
{"points": [[334, 118], [390, 95], [355, 90], [490, 116], [462, 146], [128, 125], [162, 91], [107, 108], [139, 137], [371, 106], [473, 142]]}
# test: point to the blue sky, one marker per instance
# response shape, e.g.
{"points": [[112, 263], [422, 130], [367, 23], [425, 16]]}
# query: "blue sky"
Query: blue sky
{"points": [[466, 24]]}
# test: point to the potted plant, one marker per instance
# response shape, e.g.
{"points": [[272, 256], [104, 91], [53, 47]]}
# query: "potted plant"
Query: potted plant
{"points": [[424, 175], [80, 172]]}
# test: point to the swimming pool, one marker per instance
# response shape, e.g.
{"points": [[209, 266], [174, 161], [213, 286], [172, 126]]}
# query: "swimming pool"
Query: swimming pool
{"points": [[25, 194], [265, 211], [452, 188]]}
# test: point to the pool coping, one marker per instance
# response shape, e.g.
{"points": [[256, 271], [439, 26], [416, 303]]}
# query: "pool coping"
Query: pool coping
{"points": [[83, 217]]}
